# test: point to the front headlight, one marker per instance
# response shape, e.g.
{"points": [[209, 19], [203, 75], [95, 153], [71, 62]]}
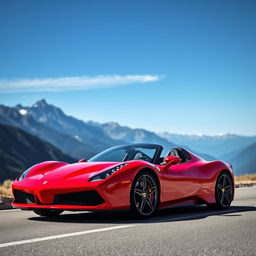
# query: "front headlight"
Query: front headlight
{"points": [[24, 174], [104, 175]]}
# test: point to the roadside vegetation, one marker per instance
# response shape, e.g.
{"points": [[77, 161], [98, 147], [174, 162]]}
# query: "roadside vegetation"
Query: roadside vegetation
{"points": [[247, 178], [5, 188]]}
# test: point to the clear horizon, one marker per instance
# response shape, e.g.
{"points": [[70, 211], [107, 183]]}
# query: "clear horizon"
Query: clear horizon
{"points": [[177, 66]]}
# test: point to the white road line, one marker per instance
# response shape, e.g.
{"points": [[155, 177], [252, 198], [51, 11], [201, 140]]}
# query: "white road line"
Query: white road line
{"points": [[28, 241], [11, 210], [207, 214]]}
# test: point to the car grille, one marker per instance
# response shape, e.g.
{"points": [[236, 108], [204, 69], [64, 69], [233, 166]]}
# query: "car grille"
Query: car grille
{"points": [[23, 198], [84, 198]]}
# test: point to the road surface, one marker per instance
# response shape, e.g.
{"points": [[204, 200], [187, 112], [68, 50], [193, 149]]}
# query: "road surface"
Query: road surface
{"points": [[176, 231]]}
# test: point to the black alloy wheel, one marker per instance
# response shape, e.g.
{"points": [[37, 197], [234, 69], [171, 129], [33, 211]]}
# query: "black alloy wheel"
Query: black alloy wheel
{"points": [[144, 195], [223, 192]]}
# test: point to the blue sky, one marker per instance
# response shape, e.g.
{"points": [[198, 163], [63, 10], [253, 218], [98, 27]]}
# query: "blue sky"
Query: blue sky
{"points": [[177, 66]]}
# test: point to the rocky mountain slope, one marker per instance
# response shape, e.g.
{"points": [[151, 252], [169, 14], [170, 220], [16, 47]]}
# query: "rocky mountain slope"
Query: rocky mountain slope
{"points": [[245, 161], [20, 150]]}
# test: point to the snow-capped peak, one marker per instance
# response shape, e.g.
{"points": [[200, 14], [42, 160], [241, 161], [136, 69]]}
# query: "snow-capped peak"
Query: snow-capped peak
{"points": [[23, 111]]}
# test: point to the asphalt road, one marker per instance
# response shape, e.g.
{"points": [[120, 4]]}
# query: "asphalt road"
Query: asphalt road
{"points": [[176, 231]]}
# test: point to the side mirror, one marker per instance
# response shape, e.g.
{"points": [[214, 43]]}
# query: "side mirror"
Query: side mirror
{"points": [[83, 160], [171, 160]]}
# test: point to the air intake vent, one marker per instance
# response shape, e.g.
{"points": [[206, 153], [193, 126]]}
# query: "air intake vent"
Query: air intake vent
{"points": [[84, 198], [21, 197]]}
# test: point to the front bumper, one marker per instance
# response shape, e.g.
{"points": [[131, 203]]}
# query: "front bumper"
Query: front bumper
{"points": [[29, 194]]}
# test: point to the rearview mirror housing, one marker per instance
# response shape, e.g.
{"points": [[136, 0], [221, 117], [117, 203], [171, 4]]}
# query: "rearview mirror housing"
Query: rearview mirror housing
{"points": [[83, 160], [171, 160]]}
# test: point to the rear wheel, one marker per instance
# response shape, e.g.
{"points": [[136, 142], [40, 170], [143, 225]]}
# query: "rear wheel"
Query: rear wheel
{"points": [[144, 195], [47, 212], [223, 192]]}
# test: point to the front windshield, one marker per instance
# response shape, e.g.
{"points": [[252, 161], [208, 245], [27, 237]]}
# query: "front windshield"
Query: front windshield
{"points": [[127, 153]]}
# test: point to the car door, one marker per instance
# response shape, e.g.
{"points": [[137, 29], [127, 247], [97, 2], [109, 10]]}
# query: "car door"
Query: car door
{"points": [[180, 181]]}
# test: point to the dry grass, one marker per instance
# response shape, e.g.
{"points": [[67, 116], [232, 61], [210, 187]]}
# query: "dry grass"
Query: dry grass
{"points": [[5, 188], [247, 178]]}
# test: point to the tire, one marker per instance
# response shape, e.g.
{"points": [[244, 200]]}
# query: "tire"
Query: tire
{"points": [[47, 213], [144, 195], [224, 190]]}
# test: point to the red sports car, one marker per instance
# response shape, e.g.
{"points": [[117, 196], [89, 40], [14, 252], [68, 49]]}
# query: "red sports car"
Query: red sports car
{"points": [[133, 177]]}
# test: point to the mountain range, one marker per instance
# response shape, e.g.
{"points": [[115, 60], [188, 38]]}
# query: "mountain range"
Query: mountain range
{"points": [[75, 137], [80, 139], [220, 146]]}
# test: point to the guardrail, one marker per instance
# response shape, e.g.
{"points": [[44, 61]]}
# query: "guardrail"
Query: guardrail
{"points": [[245, 185]]}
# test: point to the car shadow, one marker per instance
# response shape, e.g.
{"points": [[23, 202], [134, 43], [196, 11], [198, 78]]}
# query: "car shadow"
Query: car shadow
{"points": [[173, 214]]}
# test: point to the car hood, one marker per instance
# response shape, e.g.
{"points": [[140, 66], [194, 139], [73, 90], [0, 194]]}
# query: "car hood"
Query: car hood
{"points": [[71, 171]]}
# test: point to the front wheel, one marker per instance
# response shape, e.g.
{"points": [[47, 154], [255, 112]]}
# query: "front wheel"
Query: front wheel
{"points": [[144, 195], [223, 192], [47, 213]]}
